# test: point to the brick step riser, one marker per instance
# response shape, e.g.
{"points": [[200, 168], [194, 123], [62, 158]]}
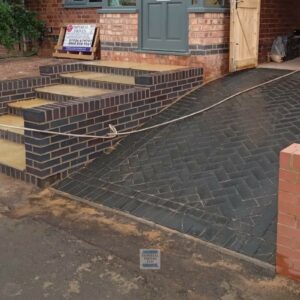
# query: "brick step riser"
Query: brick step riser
{"points": [[15, 111], [54, 97], [17, 174], [115, 71], [11, 136], [89, 83], [55, 70]]}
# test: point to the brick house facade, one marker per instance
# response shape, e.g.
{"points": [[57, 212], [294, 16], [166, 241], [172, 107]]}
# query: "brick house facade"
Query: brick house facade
{"points": [[208, 36], [208, 41]]}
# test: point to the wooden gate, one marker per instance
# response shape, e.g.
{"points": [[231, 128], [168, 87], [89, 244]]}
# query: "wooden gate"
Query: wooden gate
{"points": [[244, 34]]}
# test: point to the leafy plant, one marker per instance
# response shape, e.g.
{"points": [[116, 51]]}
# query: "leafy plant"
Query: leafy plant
{"points": [[17, 24], [7, 38], [27, 25]]}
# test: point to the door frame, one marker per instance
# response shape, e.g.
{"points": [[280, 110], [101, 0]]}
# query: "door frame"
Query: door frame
{"points": [[232, 42], [140, 32]]}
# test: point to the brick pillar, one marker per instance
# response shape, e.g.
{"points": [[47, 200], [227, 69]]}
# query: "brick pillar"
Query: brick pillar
{"points": [[288, 227]]}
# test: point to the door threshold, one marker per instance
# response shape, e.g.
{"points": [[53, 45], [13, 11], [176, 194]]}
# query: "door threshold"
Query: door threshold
{"points": [[160, 52]]}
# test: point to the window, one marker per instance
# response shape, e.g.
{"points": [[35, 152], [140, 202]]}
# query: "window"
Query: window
{"points": [[211, 3], [101, 3], [124, 3], [206, 4], [84, 3]]}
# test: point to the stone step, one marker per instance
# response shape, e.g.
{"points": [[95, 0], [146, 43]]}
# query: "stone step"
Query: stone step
{"points": [[16, 108], [12, 155], [122, 79], [10, 134], [136, 66], [65, 92], [12, 120]]}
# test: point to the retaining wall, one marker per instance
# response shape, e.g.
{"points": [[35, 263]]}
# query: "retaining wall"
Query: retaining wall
{"points": [[49, 158]]}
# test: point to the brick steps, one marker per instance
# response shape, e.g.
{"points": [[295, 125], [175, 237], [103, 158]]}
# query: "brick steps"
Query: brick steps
{"points": [[73, 85], [123, 95], [16, 108]]}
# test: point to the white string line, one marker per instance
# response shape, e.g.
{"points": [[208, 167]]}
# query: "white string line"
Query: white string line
{"points": [[114, 133]]}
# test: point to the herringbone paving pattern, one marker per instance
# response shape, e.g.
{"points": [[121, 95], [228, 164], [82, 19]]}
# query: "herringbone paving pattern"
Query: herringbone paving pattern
{"points": [[213, 176]]}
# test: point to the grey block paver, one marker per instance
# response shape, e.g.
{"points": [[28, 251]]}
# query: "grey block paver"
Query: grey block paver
{"points": [[213, 176]]}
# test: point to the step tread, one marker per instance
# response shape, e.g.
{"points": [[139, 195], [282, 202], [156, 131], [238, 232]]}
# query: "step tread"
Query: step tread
{"points": [[12, 120], [136, 66], [101, 77], [29, 103], [12, 155], [72, 90]]}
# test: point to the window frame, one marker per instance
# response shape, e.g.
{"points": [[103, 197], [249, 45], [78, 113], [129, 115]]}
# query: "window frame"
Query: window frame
{"points": [[105, 8], [201, 7], [83, 4]]}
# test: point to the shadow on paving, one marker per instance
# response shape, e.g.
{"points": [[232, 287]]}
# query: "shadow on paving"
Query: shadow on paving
{"points": [[213, 176]]}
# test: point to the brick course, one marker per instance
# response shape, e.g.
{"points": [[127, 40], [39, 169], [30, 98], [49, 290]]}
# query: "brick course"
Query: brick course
{"points": [[288, 227]]}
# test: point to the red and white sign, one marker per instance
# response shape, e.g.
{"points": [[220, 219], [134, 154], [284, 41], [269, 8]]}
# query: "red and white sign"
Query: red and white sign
{"points": [[79, 37]]}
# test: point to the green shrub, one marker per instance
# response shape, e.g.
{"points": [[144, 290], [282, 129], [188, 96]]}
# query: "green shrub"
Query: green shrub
{"points": [[18, 24], [7, 33], [27, 24]]}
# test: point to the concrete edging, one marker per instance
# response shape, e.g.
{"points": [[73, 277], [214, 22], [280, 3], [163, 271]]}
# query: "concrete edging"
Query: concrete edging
{"points": [[270, 269]]}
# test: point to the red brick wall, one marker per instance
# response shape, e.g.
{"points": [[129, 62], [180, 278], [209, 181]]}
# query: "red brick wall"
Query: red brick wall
{"points": [[54, 14], [277, 18], [209, 28], [288, 230], [119, 27]]}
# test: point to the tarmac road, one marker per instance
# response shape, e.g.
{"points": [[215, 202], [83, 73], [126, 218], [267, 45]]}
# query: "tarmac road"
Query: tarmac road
{"points": [[55, 248]]}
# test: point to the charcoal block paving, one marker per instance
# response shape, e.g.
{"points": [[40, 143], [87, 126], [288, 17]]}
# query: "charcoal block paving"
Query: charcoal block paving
{"points": [[213, 176]]}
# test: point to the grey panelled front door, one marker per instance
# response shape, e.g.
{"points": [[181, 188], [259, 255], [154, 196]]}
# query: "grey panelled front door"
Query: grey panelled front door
{"points": [[164, 25]]}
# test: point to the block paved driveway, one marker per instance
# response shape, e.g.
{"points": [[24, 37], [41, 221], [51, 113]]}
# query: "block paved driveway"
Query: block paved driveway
{"points": [[213, 176]]}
